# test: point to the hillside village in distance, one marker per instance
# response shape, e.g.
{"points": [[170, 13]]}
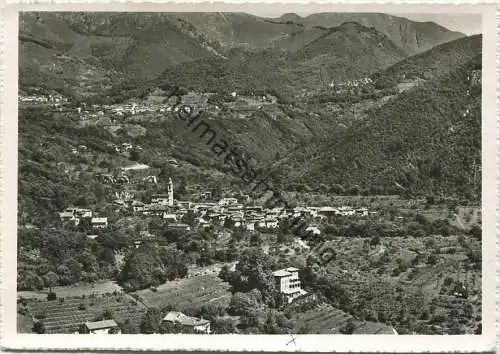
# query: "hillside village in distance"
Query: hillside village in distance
{"points": [[129, 223]]}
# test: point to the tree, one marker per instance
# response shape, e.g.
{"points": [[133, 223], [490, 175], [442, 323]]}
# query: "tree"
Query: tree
{"points": [[107, 314], [128, 327], [476, 232], [50, 280], [225, 273], [223, 325], [270, 325], [190, 218], [432, 259], [228, 223], [38, 327], [74, 269], [31, 281], [174, 261], [375, 241], [51, 296], [337, 189], [151, 321], [180, 191], [143, 268], [64, 274], [135, 155], [211, 311], [216, 192], [242, 303], [255, 239]]}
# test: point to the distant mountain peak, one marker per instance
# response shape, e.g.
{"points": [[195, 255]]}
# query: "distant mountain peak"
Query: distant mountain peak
{"points": [[291, 16]]}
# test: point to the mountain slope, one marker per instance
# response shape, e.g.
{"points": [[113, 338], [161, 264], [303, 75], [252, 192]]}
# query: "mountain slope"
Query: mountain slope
{"points": [[245, 30], [345, 52], [94, 52], [112, 46], [413, 37], [425, 141], [435, 62], [349, 51]]}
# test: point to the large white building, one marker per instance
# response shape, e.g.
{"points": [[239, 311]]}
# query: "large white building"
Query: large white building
{"points": [[288, 283]]}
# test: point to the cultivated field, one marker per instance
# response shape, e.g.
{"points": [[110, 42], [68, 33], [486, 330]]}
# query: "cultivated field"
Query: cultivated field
{"points": [[98, 288], [325, 319], [187, 293], [66, 315]]}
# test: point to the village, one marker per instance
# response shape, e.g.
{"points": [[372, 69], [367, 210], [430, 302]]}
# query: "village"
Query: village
{"points": [[225, 214], [137, 196], [229, 212]]}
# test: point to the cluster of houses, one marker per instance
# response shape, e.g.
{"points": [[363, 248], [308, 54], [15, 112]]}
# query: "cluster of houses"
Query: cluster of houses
{"points": [[76, 215], [227, 212], [119, 110], [352, 83], [192, 324], [53, 99], [230, 212]]}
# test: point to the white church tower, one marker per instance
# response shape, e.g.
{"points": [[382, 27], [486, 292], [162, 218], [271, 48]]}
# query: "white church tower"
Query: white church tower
{"points": [[170, 192]]}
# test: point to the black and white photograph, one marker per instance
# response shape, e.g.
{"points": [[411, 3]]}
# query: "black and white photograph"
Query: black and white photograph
{"points": [[258, 172]]}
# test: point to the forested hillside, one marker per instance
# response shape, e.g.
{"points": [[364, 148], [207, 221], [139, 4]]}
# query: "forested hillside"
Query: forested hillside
{"points": [[433, 63], [425, 141]]}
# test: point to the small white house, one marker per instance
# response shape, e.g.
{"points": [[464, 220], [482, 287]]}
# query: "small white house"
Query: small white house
{"points": [[100, 223], [172, 218], [196, 324], [313, 230], [102, 327]]}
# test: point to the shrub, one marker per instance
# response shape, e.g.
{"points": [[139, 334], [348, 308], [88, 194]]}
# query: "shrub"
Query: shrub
{"points": [[82, 307], [375, 240], [22, 301], [39, 327], [348, 328], [51, 296]]}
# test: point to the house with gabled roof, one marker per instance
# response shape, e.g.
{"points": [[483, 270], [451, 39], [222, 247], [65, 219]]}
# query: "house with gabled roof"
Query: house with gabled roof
{"points": [[194, 323], [102, 327]]}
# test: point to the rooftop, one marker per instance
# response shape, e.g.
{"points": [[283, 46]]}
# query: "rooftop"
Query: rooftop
{"points": [[94, 220], [179, 317], [285, 272], [101, 324], [281, 273]]}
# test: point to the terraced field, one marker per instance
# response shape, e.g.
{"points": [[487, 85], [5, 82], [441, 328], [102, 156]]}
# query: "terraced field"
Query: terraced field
{"points": [[66, 316], [187, 293], [325, 319]]}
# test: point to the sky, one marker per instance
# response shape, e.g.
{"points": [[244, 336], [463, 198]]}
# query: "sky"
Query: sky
{"points": [[466, 23]]}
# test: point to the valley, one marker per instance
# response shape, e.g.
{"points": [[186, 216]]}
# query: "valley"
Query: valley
{"points": [[368, 138]]}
